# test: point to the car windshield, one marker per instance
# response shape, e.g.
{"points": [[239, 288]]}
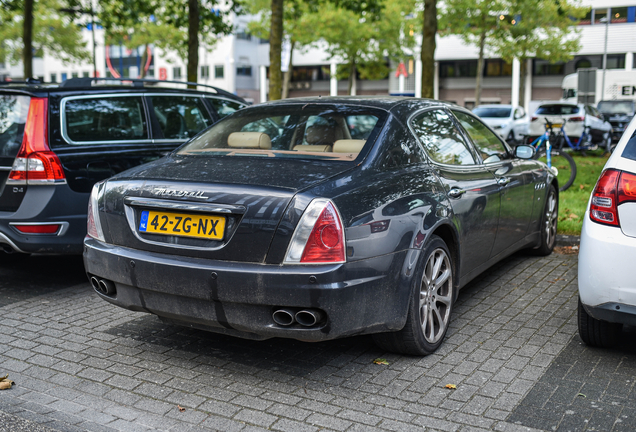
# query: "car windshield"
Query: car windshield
{"points": [[558, 109], [616, 107], [495, 112], [309, 131]]}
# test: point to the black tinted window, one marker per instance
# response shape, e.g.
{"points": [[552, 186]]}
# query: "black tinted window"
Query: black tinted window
{"points": [[180, 117], [558, 109], [630, 148], [225, 107], [13, 115], [441, 139], [105, 119], [487, 143]]}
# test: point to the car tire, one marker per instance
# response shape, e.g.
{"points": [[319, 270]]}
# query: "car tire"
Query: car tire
{"points": [[597, 333], [608, 143], [432, 298], [511, 138], [549, 222]]}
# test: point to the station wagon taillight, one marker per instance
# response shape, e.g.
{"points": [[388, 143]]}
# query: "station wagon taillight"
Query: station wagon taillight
{"points": [[35, 163], [319, 236], [613, 188]]}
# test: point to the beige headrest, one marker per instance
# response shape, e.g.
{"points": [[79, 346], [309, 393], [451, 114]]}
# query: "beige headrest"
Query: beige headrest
{"points": [[319, 134], [348, 146], [313, 148], [256, 140]]}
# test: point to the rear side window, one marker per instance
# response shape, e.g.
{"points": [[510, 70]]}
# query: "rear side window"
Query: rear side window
{"points": [[180, 117], [13, 115], [105, 119], [225, 107], [558, 109], [630, 148], [441, 139]]}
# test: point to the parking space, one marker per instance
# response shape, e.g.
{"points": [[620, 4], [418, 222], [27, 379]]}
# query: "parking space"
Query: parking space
{"points": [[512, 353]]}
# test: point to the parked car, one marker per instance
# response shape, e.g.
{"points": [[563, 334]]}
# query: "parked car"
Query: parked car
{"points": [[619, 113], [314, 233], [511, 123], [576, 117], [607, 288], [57, 140]]}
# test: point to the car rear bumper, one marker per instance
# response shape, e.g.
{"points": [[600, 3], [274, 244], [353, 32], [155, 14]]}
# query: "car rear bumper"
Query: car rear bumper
{"points": [[607, 287], [46, 205], [239, 299]]}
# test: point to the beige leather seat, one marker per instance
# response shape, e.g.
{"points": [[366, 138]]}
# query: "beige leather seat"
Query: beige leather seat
{"points": [[249, 140], [348, 146]]}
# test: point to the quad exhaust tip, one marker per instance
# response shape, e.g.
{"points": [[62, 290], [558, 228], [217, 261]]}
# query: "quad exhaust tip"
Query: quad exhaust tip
{"points": [[103, 286], [304, 317]]}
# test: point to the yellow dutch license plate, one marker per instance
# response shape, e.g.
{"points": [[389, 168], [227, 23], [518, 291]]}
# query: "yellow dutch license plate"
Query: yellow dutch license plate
{"points": [[557, 125], [182, 224]]}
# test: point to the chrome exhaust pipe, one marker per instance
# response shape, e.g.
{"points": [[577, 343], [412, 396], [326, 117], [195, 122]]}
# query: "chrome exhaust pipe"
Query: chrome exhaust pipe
{"points": [[95, 284], [106, 287], [308, 317], [283, 317]]}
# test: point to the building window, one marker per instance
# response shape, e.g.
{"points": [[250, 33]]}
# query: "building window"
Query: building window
{"points": [[244, 70], [75, 75], [218, 71], [587, 19], [53, 77], [497, 67], [243, 35], [205, 72], [616, 61], [86, 74], [64, 76], [619, 15], [600, 15], [544, 67], [176, 72]]}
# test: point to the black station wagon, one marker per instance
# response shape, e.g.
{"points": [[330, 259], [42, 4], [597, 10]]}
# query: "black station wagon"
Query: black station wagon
{"points": [[57, 140], [320, 218]]}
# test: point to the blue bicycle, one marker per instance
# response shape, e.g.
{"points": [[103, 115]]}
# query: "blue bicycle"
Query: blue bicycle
{"points": [[557, 160]]}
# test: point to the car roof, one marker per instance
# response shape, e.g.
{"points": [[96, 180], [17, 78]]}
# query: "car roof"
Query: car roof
{"points": [[94, 85], [493, 106], [382, 102]]}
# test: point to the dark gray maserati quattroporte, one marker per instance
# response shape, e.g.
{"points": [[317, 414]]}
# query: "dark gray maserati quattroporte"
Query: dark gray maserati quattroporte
{"points": [[315, 219]]}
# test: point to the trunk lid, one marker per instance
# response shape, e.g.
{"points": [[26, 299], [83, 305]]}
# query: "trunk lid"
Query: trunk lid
{"points": [[13, 114], [246, 197]]}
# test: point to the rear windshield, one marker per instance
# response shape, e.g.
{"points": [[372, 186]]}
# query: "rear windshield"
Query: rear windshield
{"points": [[558, 109], [493, 112], [291, 131], [630, 148], [616, 107], [13, 115]]}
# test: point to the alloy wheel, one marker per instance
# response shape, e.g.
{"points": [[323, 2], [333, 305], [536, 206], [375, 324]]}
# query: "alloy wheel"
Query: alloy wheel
{"points": [[551, 219], [436, 296]]}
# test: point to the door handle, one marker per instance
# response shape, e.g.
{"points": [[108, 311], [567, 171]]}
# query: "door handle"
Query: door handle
{"points": [[502, 181], [456, 193]]}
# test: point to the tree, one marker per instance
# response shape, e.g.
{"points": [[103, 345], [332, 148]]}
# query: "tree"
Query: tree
{"points": [[363, 41], [29, 28], [429, 31]]}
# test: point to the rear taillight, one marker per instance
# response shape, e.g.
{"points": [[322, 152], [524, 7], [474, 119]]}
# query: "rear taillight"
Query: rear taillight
{"points": [[93, 224], [612, 189], [319, 237], [534, 118], [35, 162], [576, 119]]}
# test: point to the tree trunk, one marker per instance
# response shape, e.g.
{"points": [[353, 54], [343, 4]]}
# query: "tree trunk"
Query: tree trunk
{"points": [[522, 81], [144, 59], [351, 83], [193, 41], [480, 68], [288, 74], [428, 48], [27, 39], [275, 47]]}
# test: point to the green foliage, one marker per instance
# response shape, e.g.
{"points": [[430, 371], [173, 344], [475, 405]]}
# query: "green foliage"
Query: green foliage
{"points": [[53, 31]]}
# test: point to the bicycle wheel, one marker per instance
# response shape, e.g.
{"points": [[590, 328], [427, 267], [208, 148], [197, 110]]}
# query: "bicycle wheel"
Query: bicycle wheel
{"points": [[563, 163]]}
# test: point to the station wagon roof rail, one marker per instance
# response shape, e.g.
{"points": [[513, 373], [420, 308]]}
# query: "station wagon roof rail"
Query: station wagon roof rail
{"points": [[85, 82]]}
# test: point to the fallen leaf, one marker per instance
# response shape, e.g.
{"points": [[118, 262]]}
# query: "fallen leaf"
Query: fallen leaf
{"points": [[380, 361], [5, 382], [181, 409], [582, 187], [451, 386], [573, 216], [582, 395]]}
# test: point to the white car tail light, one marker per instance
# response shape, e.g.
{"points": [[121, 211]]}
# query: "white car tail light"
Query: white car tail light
{"points": [[35, 162], [613, 188], [319, 236], [93, 225]]}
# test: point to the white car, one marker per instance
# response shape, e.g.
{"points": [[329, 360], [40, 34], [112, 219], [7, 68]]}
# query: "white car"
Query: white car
{"points": [[607, 286], [511, 124], [575, 118]]}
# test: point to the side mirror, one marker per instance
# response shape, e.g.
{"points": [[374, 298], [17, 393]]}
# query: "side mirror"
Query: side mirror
{"points": [[524, 152]]}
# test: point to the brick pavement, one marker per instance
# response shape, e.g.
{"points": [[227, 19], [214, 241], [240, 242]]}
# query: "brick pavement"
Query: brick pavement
{"points": [[512, 351]]}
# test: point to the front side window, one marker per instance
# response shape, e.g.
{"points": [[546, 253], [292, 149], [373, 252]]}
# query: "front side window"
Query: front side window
{"points": [[486, 142], [180, 117], [105, 119], [441, 139]]}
